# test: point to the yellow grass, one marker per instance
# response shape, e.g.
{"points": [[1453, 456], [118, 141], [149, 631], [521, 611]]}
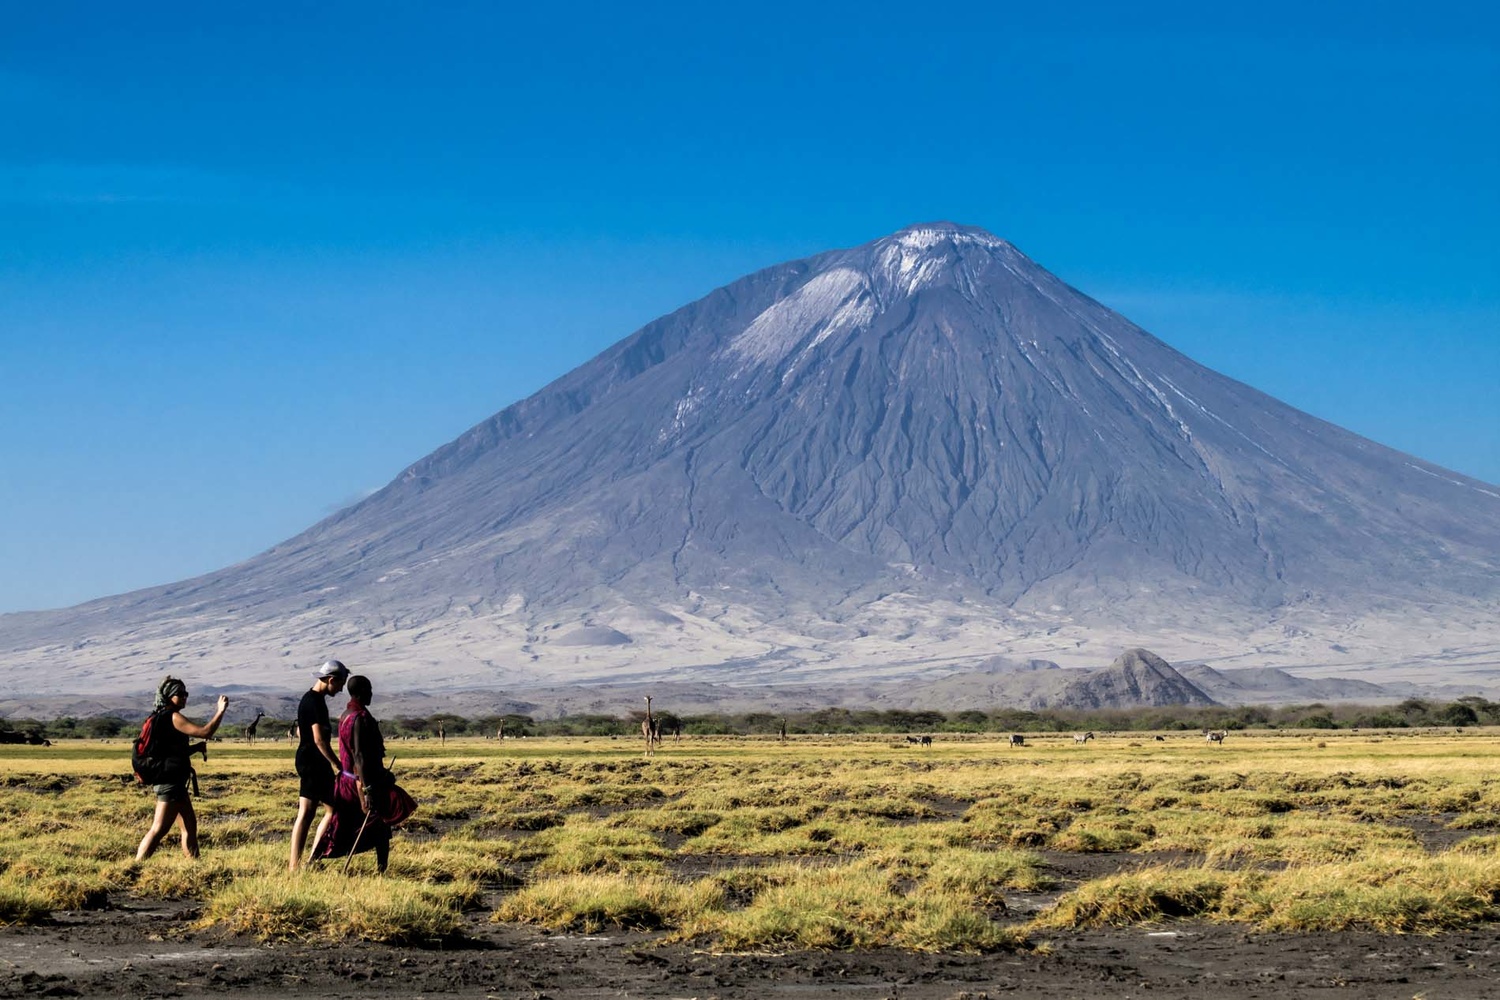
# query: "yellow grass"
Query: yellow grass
{"points": [[813, 843]]}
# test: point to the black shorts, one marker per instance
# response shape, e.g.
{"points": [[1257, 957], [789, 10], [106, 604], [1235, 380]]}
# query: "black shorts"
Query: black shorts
{"points": [[317, 780]]}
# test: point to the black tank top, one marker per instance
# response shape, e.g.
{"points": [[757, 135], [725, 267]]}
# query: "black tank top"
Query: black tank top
{"points": [[170, 743]]}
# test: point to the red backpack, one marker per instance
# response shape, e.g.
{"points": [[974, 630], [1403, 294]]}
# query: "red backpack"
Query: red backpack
{"points": [[146, 759]]}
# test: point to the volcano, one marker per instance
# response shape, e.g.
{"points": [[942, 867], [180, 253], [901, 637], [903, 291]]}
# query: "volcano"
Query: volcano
{"points": [[876, 463]]}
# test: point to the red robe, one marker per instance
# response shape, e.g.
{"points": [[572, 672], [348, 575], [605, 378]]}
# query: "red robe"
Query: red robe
{"points": [[361, 757]]}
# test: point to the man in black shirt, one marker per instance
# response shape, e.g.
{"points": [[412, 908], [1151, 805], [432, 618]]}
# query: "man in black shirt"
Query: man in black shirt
{"points": [[316, 764]]}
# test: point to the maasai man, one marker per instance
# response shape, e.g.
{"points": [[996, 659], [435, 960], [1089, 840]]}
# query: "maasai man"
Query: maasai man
{"points": [[367, 802]]}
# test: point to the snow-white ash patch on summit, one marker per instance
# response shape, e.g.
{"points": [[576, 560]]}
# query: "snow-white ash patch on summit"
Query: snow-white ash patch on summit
{"points": [[833, 302], [921, 239], [911, 260]]}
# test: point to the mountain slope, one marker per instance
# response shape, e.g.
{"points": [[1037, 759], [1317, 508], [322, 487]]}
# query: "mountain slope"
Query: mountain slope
{"points": [[922, 451], [1269, 686]]}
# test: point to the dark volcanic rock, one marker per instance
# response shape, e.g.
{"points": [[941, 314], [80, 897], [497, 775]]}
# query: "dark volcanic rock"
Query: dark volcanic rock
{"points": [[876, 461], [594, 635], [1137, 679]]}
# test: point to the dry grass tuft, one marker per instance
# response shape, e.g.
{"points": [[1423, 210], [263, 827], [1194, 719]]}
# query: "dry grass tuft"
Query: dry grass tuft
{"points": [[329, 905], [592, 902]]}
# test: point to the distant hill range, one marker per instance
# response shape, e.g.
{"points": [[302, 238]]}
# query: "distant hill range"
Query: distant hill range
{"points": [[1138, 678], [884, 464]]}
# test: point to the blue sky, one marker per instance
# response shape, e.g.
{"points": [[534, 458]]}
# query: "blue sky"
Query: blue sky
{"points": [[256, 259]]}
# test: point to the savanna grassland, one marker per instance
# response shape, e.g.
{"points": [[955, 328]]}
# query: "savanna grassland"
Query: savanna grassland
{"points": [[739, 844]]}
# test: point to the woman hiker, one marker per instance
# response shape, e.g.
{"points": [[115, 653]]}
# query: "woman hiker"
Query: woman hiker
{"points": [[367, 802], [171, 732]]}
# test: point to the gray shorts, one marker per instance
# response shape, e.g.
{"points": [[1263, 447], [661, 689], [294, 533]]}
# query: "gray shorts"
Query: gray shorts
{"points": [[171, 793]]}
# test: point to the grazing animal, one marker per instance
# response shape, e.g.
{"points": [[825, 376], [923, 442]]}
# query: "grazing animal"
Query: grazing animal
{"points": [[651, 729], [251, 726], [1017, 740], [926, 740], [912, 739], [783, 729], [1082, 738], [1160, 739], [442, 734], [500, 733], [1217, 737]]}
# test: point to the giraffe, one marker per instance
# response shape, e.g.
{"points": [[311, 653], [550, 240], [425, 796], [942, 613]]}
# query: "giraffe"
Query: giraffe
{"points": [[650, 729], [251, 726]]}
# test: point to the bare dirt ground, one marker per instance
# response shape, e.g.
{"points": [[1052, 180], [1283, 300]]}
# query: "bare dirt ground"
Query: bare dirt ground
{"points": [[147, 951], [135, 948]]}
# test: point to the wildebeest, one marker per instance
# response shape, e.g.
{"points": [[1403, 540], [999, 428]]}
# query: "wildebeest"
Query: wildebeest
{"points": [[35, 739], [1017, 740]]}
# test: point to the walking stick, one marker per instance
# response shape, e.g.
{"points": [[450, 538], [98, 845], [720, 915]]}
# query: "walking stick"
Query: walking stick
{"points": [[355, 846]]}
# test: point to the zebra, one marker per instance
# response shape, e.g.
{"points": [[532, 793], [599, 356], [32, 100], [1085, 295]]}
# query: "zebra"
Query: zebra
{"points": [[1216, 736], [1082, 738]]}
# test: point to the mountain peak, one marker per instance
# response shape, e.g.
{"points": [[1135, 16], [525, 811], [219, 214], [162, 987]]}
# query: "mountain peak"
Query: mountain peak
{"points": [[926, 234], [937, 254]]}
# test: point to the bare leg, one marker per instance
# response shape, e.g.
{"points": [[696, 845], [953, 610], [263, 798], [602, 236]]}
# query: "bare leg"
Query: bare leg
{"points": [[305, 810], [166, 812], [322, 826], [189, 828]]}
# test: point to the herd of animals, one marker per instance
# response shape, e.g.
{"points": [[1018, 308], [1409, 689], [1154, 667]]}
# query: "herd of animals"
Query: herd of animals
{"points": [[651, 732], [35, 739]]}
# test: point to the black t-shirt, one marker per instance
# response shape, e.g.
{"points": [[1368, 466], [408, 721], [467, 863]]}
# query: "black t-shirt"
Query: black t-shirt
{"points": [[311, 710]]}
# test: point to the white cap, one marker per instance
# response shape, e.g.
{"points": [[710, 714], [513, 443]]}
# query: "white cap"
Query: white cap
{"points": [[332, 668]]}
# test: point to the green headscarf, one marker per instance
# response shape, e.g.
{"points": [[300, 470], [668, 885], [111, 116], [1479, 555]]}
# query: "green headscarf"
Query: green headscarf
{"points": [[166, 691]]}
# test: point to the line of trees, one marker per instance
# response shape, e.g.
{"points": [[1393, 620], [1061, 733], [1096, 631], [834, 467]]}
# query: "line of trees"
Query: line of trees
{"points": [[1412, 713]]}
